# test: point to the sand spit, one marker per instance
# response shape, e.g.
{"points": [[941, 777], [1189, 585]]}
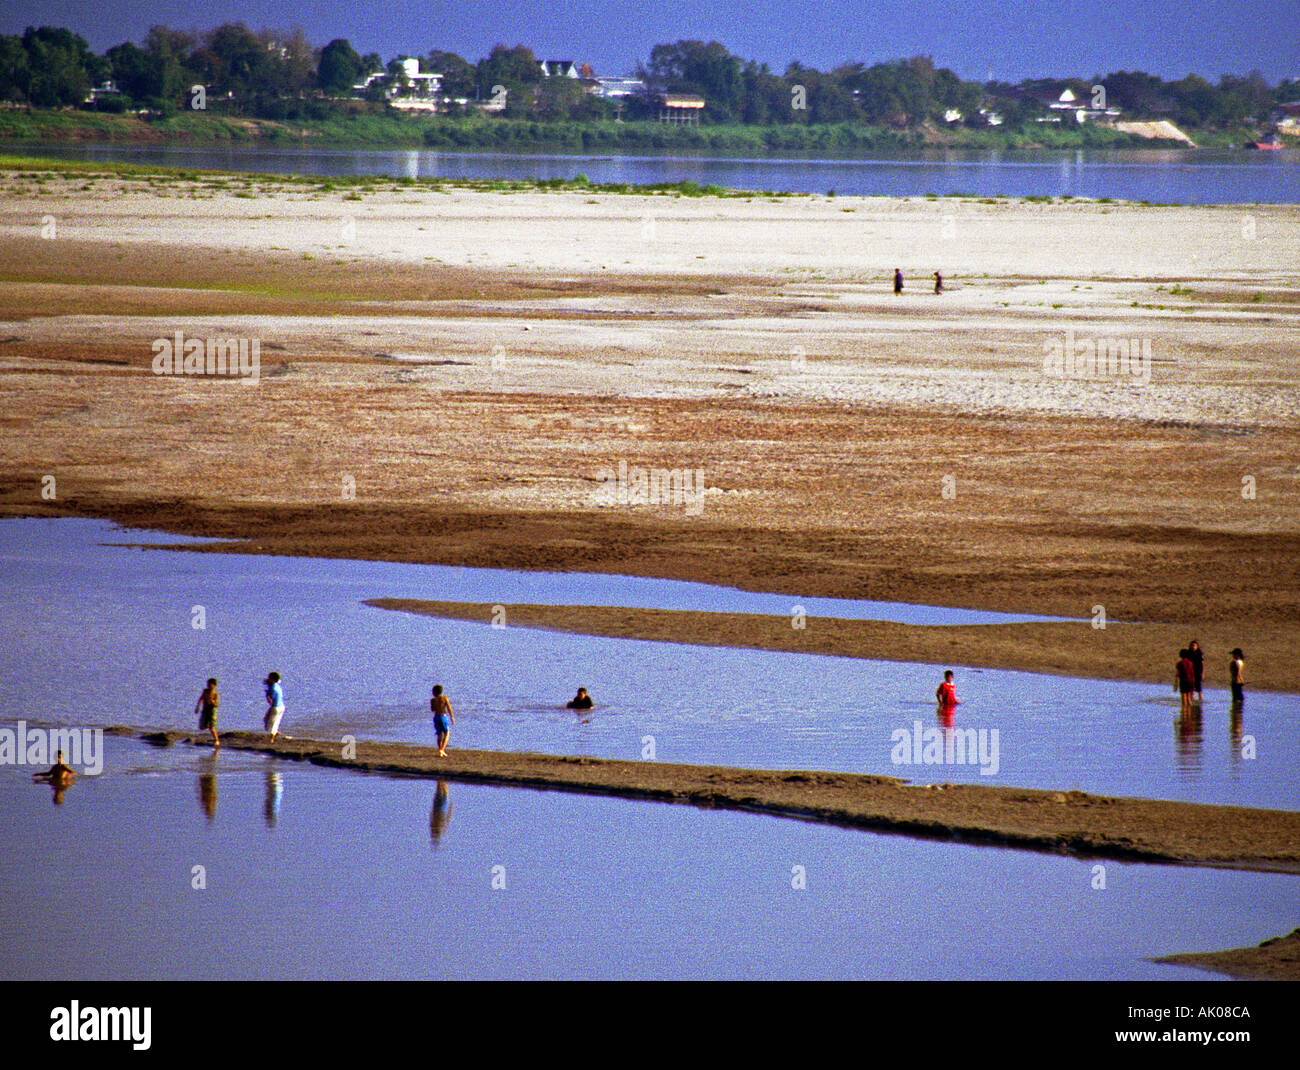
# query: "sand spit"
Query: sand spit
{"points": [[1120, 651], [1277, 959], [1074, 823]]}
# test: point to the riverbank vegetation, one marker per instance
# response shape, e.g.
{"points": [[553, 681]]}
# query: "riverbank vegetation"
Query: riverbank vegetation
{"points": [[229, 84]]}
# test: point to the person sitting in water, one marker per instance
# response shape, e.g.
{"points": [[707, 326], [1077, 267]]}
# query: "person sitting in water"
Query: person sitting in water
{"points": [[581, 701], [58, 774]]}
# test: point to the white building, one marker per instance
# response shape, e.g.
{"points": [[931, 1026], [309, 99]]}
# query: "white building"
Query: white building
{"points": [[411, 90], [1069, 104]]}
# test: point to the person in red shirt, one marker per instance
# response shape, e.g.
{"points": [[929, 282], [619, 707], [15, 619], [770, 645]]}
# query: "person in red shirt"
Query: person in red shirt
{"points": [[1185, 679], [946, 693]]}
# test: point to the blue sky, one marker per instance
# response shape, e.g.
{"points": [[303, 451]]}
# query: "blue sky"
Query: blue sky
{"points": [[1013, 39]]}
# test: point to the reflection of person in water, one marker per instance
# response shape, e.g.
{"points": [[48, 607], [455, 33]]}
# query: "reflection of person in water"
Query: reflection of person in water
{"points": [[59, 776], [440, 813], [274, 793], [581, 701], [208, 795], [1188, 731]]}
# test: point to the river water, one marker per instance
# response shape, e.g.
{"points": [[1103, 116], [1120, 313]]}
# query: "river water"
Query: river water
{"points": [[178, 863], [175, 865], [97, 633], [1162, 176]]}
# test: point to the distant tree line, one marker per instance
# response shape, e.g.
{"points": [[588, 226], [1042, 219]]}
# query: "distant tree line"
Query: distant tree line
{"points": [[281, 75]]}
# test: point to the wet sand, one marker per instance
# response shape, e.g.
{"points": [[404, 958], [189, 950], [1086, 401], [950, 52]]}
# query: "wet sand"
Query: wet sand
{"points": [[1119, 651], [1076, 823], [1277, 959]]}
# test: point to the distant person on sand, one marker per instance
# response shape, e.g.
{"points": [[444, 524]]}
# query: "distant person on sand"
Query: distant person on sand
{"points": [[206, 708], [581, 701], [1185, 679], [938, 283], [898, 281], [946, 693], [1237, 675], [1197, 657], [443, 718], [274, 705]]}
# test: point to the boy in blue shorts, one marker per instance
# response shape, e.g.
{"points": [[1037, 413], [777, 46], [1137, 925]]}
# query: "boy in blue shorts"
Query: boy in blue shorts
{"points": [[443, 718]]}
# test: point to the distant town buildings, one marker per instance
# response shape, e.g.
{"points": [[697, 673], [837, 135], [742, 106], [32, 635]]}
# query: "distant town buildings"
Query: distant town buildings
{"points": [[408, 89], [1067, 103], [558, 68], [680, 108]]}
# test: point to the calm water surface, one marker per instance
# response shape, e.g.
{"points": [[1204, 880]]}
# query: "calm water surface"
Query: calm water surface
{"points": [[318, 873], [1169, 176], [314, 873], [95, 633]]}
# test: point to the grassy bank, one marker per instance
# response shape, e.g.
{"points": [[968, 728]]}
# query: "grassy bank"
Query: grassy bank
{"points": [[37, 170], [389, 130]]}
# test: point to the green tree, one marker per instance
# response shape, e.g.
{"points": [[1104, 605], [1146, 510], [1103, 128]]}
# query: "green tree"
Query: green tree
{"points": [[15, 74], [513, 69], [457, 73], [134, 71], [234, 61], [707, 70], [60, 67], [339, 68], [559, 98]]}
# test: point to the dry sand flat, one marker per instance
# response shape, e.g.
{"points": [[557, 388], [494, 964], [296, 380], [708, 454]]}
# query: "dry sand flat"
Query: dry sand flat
{"points": [[473, 378]]}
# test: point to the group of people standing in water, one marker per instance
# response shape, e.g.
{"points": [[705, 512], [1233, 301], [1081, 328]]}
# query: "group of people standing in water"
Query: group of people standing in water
{"points": [[1189, 671], [1188, 675], [209, 702]]}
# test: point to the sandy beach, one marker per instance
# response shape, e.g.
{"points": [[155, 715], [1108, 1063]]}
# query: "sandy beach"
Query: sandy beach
{"points": [[446, 374]]}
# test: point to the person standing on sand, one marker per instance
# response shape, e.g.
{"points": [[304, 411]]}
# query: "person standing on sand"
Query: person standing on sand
{"points": [[1197, 658], [206, 708], [946, 693], [274, 705], [938, 283], [1237, 676], [898, 281], [1185, 679], [443, 718]]}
